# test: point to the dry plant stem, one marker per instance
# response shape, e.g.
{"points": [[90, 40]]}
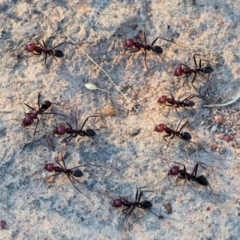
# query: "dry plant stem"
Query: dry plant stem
{"points": [[117, 88], [224, 104]]}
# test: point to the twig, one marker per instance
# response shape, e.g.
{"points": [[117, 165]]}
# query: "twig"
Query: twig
{"points": [[117, 88], [224, 104]]}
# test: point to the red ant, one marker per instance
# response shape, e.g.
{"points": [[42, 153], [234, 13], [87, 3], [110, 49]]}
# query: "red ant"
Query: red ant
{"points": [[39, 49], [30, 117], [186, 102], [61, 130], [183, 174], [186, 136], [130, 43], [132, 205], [187, 71], [71, 173]]}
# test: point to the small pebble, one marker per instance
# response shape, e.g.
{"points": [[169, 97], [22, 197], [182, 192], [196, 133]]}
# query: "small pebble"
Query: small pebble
{"points": [[134, 131], [168, 207], [214, 128]]}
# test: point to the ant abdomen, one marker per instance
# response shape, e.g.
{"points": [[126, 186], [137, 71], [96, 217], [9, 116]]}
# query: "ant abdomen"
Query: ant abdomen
{"points": [[186, 136], [58, 53], [45, 105], [202, 180], [90, 132], [145, 204], [77, 173], [188, 103], [207, 69], [157, 49], [117, 203]]}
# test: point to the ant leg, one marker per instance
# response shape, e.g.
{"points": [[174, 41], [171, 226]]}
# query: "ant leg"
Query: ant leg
{"points": [[161, 38], [40, 44], [44, 44], [124, 210], [39, 100], [77, 187], [69, 139], [194, 172], [30, 107], [145, 59], [36, 126], [86, 121], [69, 125], [61, 44], [45, 60], [186, 123]]}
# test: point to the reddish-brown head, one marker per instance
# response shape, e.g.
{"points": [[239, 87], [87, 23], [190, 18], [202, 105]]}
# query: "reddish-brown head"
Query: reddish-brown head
{"points": [[162, 99], [30, 47], [129, 43], [49, 167], [61, 130], [27, 121], [117, 203], [178, 71], [160, 128], [174, 171]]}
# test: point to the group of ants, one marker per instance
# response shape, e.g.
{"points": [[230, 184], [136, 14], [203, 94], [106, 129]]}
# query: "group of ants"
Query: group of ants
{"points": [[202, 68]]}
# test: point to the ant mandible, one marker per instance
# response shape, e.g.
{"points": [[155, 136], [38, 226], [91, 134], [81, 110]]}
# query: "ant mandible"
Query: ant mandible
{"points": [[30, 117], [183, 69], [186, 102], [71, 173], [183, 174], [130, 43], [132, 205], [39, 49]]}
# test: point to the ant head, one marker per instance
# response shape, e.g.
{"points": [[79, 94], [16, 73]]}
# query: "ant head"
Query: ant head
{"points": [[174, 171], [90, 132], [186, 136], [58, 53], [202, 180], [157, 49], [207, 69], [77, 173], [129, 43], [117, 203], [178, 71], [61, 130], [30, 47], [160, 127], [145, 204], [27, 121], [162, 99], [46, 105], [49, 167]]}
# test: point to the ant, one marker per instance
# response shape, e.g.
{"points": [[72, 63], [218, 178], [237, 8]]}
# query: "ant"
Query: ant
{"points": [[186, 136], [130, 43], [71, 173], [199, 69], [30, 117], [39, 49], [61, 130], [186, 102], [183, 174], [132, 205]]}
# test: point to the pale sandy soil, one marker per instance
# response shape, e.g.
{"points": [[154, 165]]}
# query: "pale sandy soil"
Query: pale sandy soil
{"points": [[36, 209]]}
